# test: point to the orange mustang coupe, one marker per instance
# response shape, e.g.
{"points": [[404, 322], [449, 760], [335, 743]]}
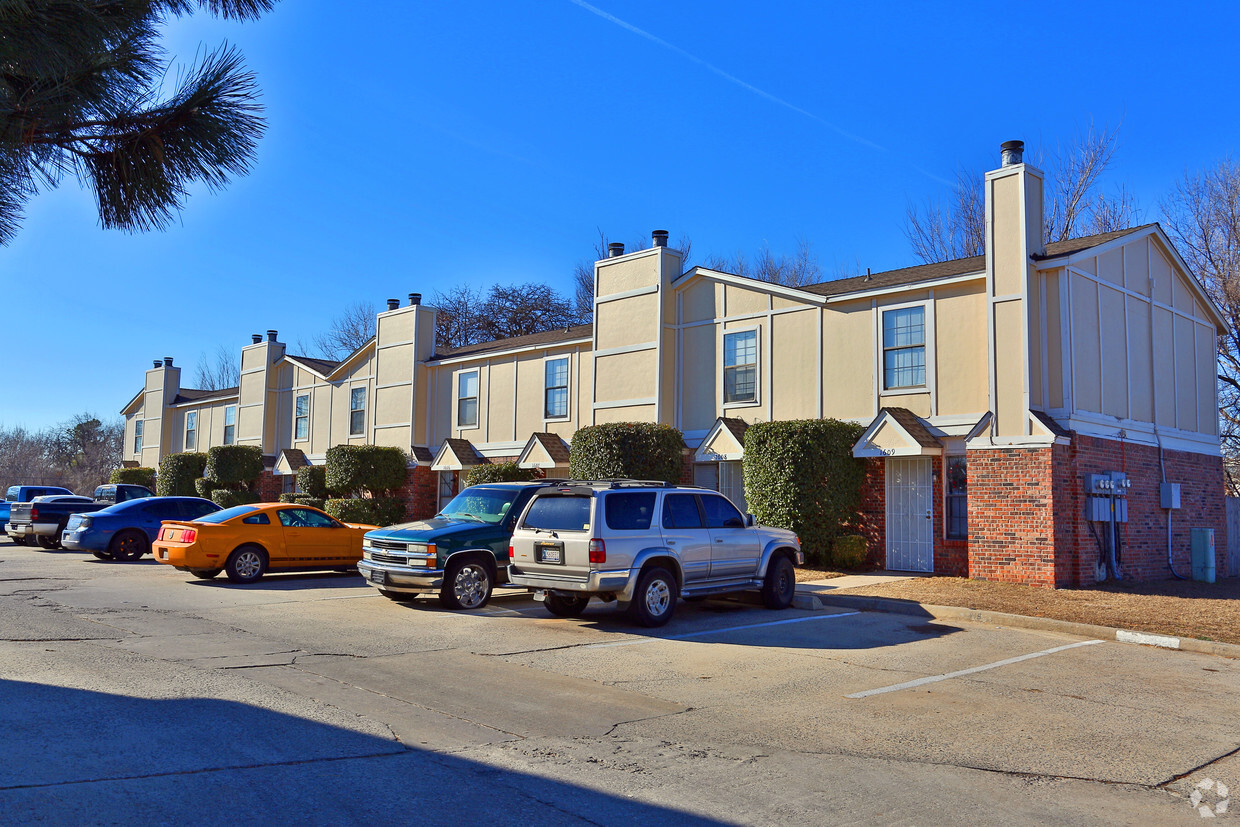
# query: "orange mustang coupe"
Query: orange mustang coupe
{"points": [[247, 540]]}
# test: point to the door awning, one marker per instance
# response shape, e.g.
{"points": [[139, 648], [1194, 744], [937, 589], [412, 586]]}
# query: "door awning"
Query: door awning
{"points": [[457, 455], [724, 442], [897, 432], [544, 451]]}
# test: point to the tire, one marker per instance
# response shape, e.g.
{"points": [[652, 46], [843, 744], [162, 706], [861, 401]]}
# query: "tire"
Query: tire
{"points": [[780, 585], [128, 545], [566, 606], [398, 597], [654, 600], [31, 540], [103, 555], [205, 574], [246, 564], [47, 543], [467, 584]]}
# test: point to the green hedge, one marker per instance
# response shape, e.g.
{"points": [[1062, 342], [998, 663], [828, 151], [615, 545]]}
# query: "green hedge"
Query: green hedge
{"points": [[134, 476], [204, 487], [801, 475], [302, 499], [178, 474], [225, 498], [382, 511], [375, 469], [627, 450], [848, 552], [499, 472], [312, 480], [234, 466]]}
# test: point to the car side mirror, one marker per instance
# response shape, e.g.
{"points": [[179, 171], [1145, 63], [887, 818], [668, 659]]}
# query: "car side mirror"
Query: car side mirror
{"points": [[732, 522], [750, 522]]}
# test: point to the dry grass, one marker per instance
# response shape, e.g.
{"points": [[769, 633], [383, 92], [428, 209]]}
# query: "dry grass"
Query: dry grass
{"points": [[1170, 607], [808, 574]]}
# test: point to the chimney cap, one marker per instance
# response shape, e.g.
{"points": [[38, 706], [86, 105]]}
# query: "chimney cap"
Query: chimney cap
{"points": [[167, 361], [615, 249], [271, 335], [393, 304], [256, 337], [158, 363], [1012, 152], [415, 299], [659, 237]]}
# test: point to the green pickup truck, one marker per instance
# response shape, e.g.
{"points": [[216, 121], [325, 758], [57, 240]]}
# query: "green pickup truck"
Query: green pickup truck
{"points": [[460, 554]]}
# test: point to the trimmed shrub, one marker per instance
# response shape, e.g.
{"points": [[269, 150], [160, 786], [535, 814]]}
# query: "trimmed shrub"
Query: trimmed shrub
{"points": [[627, 450], [499, 472], [312, 480], [234, 466], [381, 511], [302, 499], [178, 474], [289, 498], [849, 551], [801, 475], [134, 476], [374, 469], [226, 498], [204, 487]]}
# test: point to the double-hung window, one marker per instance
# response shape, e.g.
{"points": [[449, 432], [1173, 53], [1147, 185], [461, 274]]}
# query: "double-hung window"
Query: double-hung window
{"points": [[230, 424], [301, 417], [137, 435], [191, 430], [904, 348], [740, 366], [467, 399], [957, 499], [555, 393], [357, 412]]}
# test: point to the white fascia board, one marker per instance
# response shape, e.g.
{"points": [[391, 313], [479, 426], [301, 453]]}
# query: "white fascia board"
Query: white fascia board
{"points": [[910, 451], [194, 403], [301, 365], [492, 354], [352, 357], [790, 293], [906, 288]]}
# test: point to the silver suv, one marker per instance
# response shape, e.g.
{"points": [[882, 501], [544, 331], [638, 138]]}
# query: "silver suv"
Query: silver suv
{"points": [[643, 544]]}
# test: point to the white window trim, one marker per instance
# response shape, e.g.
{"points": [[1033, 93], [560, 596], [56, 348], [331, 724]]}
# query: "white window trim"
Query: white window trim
{"points": [[456, 399], [757, 366], [189, 430], [568, 357], [224, 420], [927, 307], [365, 387], [308, 396], [139, 432]]}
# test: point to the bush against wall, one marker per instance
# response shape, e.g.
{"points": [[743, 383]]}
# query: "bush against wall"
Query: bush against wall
{"points": [[226, 498], [499, 472], [178, 474], [380, 511], [801, 475], [134, 476], [234, 466], [627, 450], [312, 480], [203, 487], [365, 469], [303, 499]]}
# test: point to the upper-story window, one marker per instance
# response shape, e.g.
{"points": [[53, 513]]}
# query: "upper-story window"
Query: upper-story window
{"points": [[555, 395], [467, 399], [904, 348], [357, 411], [740, 366], [191, 430], [230, 424], [301, 417], [137, 435]]}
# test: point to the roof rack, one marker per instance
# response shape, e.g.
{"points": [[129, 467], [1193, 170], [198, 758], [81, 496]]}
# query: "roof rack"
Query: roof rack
{"points": [[615, 483]]}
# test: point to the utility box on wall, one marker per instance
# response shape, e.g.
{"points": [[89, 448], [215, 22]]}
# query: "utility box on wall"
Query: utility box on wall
{"points": [[1203, 554], [1170, 494]]}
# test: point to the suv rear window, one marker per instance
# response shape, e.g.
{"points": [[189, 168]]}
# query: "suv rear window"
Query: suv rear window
{"points": [[629, 511], [557, 513]]}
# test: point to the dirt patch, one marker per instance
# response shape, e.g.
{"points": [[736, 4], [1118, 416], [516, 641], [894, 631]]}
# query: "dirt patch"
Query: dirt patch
{"points": [[1170, 607], [808, 574]]}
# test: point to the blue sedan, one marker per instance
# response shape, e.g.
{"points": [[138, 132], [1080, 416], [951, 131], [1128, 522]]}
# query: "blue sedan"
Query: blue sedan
{"points": [[125, 531]]}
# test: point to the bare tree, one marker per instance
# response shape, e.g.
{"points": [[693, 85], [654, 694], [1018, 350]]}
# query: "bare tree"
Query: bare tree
{"points": [[1203, 217], [796, 270], [457, 322], [583, 271], [23, 457], [1074, 203], [79, 454], [522, 309], [353, 327], [217, 371]]}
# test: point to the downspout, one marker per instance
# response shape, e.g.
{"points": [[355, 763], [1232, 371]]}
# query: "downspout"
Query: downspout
{"points": [[1162, 466]]}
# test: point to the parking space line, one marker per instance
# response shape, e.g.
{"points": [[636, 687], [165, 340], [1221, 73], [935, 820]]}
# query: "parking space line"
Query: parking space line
{"points": [[688, 635], [936, 678]]}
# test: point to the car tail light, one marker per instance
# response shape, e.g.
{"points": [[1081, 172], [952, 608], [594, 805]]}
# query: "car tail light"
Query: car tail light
{"points": [[189, 535], [34, 512], [510, 554], [598, 551]]}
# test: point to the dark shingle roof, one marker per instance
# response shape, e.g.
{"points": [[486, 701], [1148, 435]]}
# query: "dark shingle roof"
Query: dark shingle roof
{"points": [[196, 395], [554, 446], [548, 337], [912, 423], [465, 452], [320, 366], [421, 454], [736, 427], [295, 457], [1050, 423]]}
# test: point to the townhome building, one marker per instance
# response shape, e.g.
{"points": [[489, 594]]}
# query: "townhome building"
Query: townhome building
{"points": [[1042, 413]]}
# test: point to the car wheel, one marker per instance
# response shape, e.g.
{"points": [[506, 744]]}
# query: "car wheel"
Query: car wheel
{"points": [[103, 555], [47, 543], [31, 540], [466, 584], [205, 574], [780, 585], [246, 564], [399, 597], [566, 606], [128, 545], [654, 601]]}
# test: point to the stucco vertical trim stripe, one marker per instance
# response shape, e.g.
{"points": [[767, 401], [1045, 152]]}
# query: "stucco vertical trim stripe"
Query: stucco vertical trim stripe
{"points": [[1044, 350], [1127, 351], [680, 361], [1102, 376], [877, 351], [821, 319], [932, 355]]}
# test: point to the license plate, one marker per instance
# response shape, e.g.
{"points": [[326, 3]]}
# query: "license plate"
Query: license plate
{"points": [[549, 552], [379, 577]]}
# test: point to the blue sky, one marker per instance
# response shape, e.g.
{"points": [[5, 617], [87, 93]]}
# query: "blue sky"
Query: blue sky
{"points": [[419, 145]]}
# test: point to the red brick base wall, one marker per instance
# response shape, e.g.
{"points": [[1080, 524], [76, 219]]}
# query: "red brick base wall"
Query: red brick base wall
{"points": [[1011, 516], [420, 493], [269, 487]]}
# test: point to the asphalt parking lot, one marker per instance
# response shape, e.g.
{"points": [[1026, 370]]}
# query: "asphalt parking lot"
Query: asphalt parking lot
{"points": [[130, 692]]}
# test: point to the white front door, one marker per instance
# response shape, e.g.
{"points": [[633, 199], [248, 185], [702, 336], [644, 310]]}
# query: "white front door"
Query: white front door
{"points": [[910, 514]]}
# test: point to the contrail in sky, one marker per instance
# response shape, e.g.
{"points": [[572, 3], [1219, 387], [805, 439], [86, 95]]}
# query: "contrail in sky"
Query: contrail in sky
{"points": [[734, 79]]}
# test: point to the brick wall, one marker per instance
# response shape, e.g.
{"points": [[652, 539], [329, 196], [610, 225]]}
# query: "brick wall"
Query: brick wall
{"points": [[420, 492], [1012, 515], [269, 487], [872, 513], [950, 556]]}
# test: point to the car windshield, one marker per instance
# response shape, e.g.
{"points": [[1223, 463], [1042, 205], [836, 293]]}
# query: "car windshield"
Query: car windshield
{"points": [[226, 515], [485, 505]]}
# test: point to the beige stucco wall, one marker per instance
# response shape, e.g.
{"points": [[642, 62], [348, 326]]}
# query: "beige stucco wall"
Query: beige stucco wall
{"points": [[792, 386], [849, 361], [962, 386]]}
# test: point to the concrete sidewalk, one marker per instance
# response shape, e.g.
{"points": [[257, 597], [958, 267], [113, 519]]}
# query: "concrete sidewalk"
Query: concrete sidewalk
{"points": [[854, 581]]}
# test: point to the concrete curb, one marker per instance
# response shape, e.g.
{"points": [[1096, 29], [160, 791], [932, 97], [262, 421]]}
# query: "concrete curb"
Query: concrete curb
{"points": [[812, 601]]}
